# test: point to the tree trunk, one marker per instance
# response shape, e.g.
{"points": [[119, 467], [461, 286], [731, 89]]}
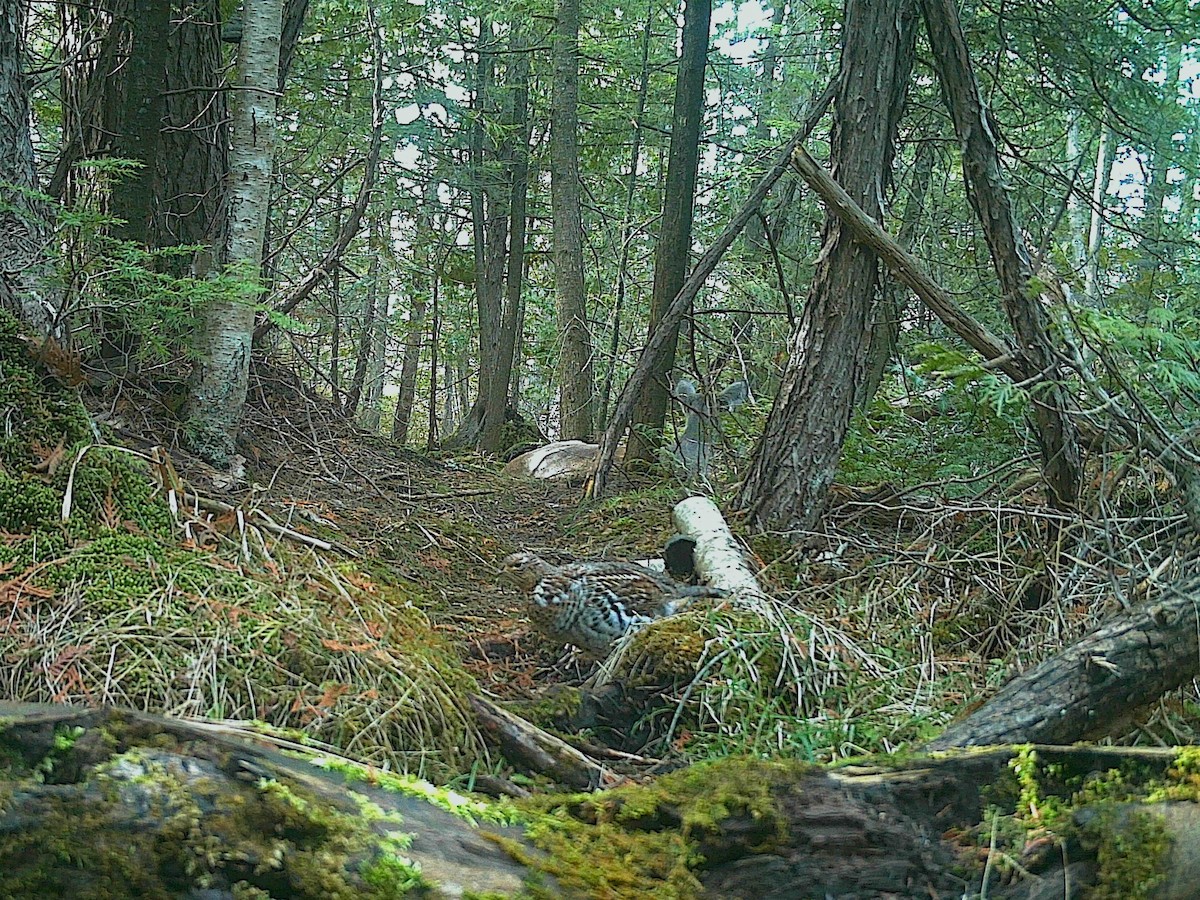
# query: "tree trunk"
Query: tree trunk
{"points": [[885, 328], [673, 250], [1153, 248], [575, 379], [407, 394], [1104, 164], [516, 152], [27, 285], [490, 196], [1054, 431], [372, 316], [294, 12], [136, 124], [219, 391], [795, 460], [626, 237], [664, 331], [194, 158]]}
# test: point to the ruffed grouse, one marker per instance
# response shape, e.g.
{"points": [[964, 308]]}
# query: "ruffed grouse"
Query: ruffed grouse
{"points": [[591, 604]]}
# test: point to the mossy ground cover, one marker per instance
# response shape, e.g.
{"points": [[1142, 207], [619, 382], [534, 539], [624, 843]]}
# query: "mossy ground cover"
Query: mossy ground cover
{"points": [[115, 605]]}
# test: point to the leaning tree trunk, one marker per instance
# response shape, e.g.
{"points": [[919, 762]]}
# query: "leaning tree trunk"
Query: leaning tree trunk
{"points": [[794, 463], [675, 234], [1055, 432], [219, 391], [575, 380], [27, 287]]}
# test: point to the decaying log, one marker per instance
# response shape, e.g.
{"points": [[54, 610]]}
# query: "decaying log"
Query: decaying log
{"points": [[98, 803], [1095, 686], [527, 746], [101, 803]]}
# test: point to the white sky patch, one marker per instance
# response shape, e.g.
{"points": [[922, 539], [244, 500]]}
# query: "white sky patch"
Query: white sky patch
{"points": [[406, 115], [750, 17]]}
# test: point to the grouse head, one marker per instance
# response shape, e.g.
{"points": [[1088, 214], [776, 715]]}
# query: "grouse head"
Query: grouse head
{"points": [[524, 570]]}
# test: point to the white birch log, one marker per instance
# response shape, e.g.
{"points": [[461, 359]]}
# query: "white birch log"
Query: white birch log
{"points": [[718, 558]]}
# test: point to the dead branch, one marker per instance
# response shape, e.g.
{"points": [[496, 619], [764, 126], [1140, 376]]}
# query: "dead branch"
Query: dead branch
{"points": [[526, 745]]}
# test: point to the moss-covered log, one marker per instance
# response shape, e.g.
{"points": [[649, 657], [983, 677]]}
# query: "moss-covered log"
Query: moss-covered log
{"points": [[113, 804], [102, 803]]}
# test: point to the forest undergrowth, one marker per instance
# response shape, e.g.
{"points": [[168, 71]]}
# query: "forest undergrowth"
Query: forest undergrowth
{"points": [[342, 592]]}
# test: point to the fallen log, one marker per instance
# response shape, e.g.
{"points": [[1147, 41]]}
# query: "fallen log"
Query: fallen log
{"points": [[1095, 686], [527, 746], [717, 556], [102, 803]]}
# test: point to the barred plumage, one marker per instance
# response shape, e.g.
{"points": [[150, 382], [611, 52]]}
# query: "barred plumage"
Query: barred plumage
{"points": [[591, 604]]}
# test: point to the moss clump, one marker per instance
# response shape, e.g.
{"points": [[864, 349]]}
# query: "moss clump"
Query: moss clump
{"points": [[48, 454], [555, 707], [1131, 847], [653, 840], [40, 412]]}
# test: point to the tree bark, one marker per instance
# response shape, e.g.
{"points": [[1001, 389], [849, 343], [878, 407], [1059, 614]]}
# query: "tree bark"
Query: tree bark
{"points": [[371, 313], [27, 285], [490, 197], [516, 152], [909, 270], [1095, 236], [1093, 688], [794, 463], [194, 158], [673, 250], [631, 180], [1054, 431], [102, 797], [577, 391], [219, 390], [885, 327], [408, 366], [135, 125]]}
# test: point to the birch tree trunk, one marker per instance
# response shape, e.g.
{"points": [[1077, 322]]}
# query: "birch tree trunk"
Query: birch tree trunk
{"points": [[219, 391], [575, 379], [1104, 164]]}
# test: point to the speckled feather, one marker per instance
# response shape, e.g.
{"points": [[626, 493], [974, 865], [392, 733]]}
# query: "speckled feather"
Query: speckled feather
{"points": [[591, 604]]}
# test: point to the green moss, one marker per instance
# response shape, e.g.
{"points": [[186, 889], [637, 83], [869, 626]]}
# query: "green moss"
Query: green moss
{"points": [[1131, 848], [1033, 805], [393, 876], [468, 809], [554, 708], [650, 840]]}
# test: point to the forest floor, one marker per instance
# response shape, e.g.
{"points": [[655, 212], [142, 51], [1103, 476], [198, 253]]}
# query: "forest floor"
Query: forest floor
{"points": [[440, 521], [905, 608]]}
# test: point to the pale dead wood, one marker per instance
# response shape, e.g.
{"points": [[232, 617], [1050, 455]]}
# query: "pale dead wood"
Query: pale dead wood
{"points": [[526, 745]]}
